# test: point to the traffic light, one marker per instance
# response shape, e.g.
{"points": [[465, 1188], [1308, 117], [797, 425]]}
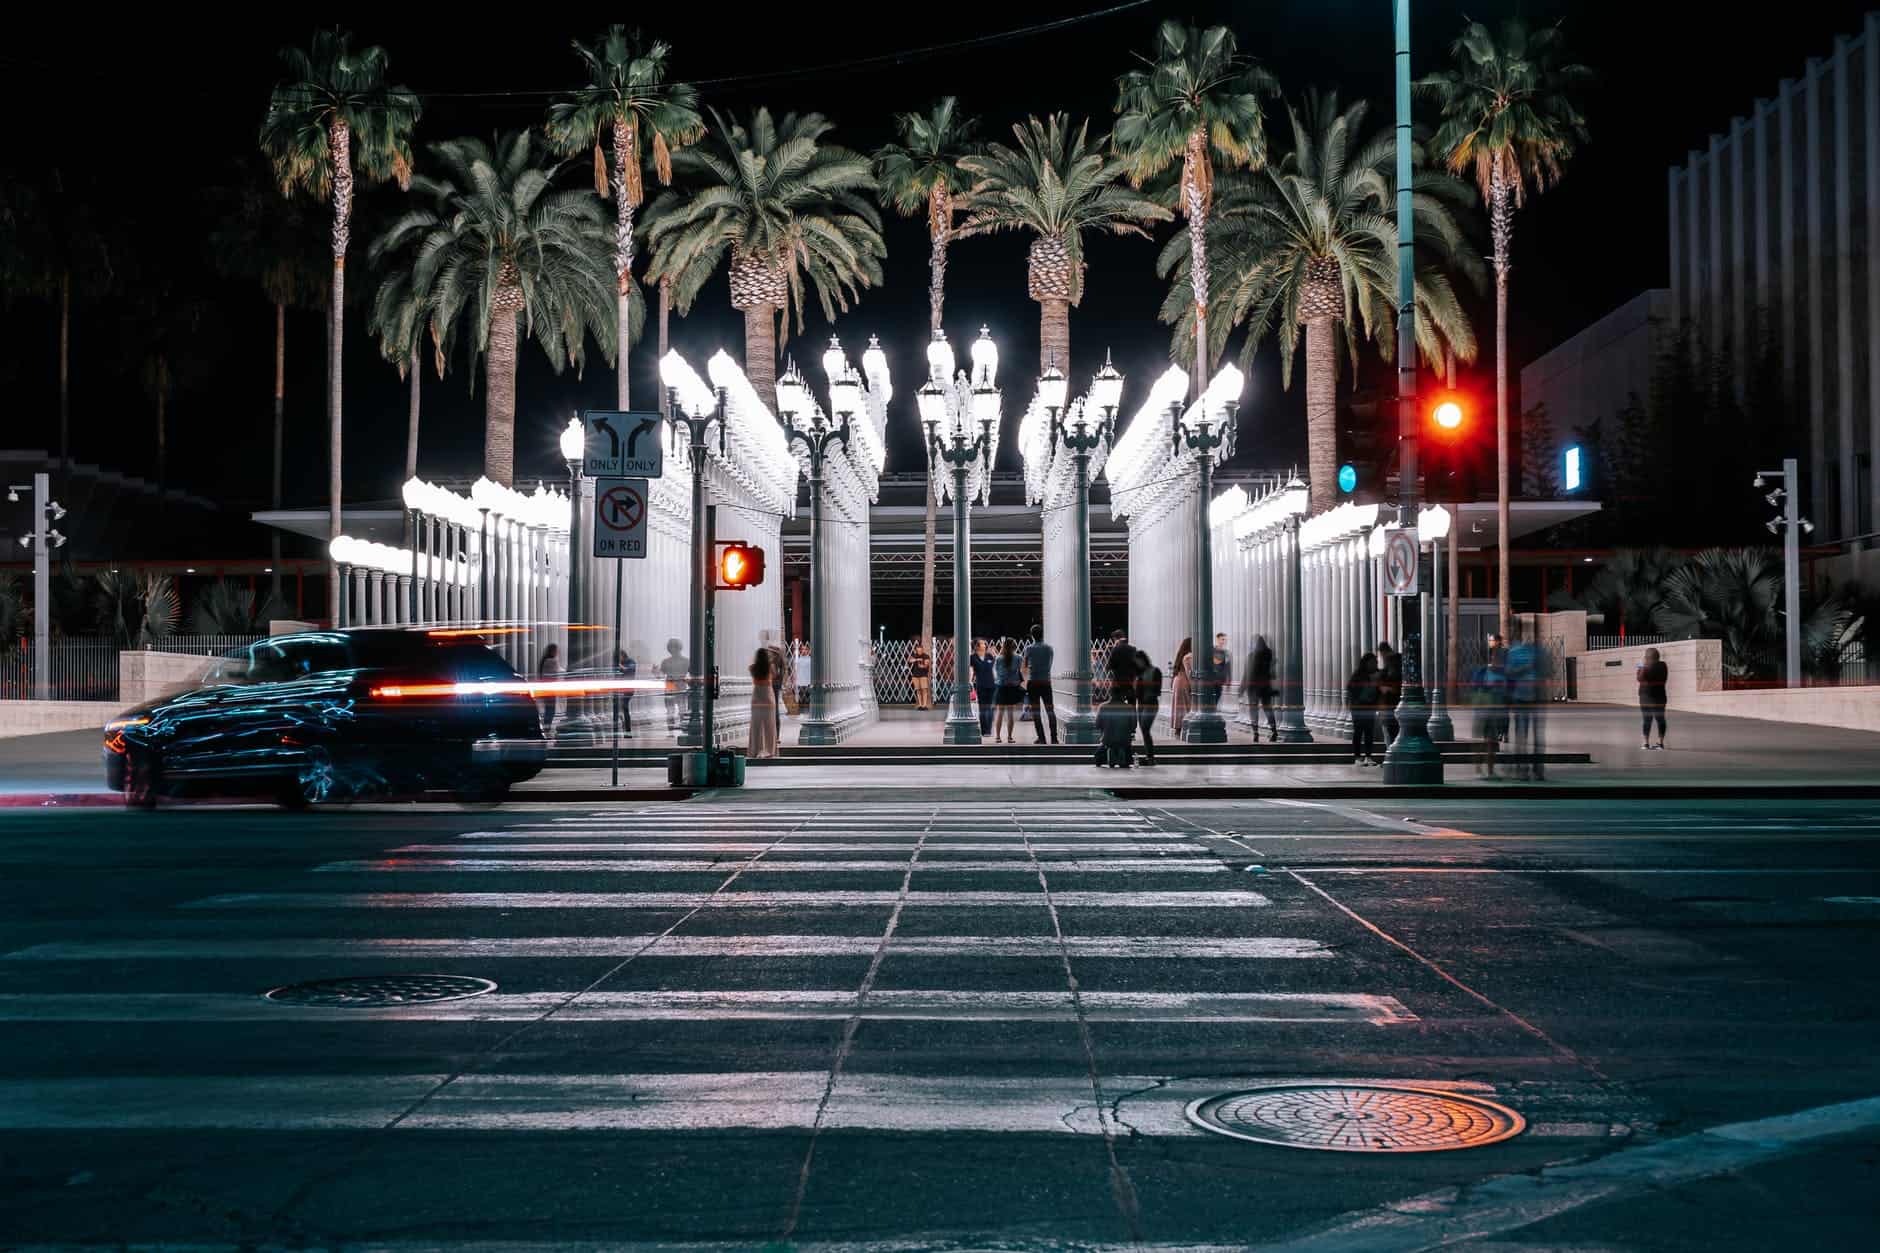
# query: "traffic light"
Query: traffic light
{"points": [[1449, 417], [740, 565]]}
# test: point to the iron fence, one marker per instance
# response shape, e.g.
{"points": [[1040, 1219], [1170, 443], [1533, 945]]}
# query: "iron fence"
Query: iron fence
{"points": [[82, 669], [1628, 640], [894, 685], [201, 645]]}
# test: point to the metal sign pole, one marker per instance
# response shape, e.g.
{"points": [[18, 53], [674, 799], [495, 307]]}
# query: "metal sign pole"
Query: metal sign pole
{"points": [[616, 662]]}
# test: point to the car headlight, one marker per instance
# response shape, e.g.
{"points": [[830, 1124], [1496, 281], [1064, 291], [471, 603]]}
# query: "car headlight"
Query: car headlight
{"points": [[118, 724]]}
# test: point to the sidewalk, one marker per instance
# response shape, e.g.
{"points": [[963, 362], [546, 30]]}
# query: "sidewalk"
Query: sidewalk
{"points": [[1708, 754]]}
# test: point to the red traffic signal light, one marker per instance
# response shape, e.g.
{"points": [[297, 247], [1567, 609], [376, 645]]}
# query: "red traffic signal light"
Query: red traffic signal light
{"points": [[1449, 416], [740, 566]]}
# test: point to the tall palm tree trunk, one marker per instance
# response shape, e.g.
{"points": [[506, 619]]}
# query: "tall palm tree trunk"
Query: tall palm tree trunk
{"points": [[1451, 680], [411, 427], [1501, 232], [665, 311], [499, 379], [623, 252], [65, 369], [1321, 413], [339, 151], [1054, 334], [1198, 279], [280, 427], [760, 351]]}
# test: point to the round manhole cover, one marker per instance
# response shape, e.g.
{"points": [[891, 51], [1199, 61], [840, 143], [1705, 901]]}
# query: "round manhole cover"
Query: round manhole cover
{"points": [[1357, 1118], [372, 991]]}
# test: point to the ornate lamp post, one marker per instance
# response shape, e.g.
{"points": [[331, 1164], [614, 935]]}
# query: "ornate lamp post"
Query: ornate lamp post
{"points": [[1081, 439], [691, 408], [949, 409], [573, 439], [1208, 428], [1294, 500], [1433, 525], [804, 423]]}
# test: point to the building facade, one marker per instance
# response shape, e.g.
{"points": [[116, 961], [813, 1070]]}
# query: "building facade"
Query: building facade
{"points": [[1770, 226], [1596, 374]]}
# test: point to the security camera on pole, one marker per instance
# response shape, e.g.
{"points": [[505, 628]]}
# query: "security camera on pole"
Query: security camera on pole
{"points": [[1789, 525], [43, 538]]}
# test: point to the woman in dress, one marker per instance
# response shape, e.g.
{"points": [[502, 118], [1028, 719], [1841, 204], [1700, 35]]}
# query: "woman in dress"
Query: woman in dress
{"points": [[1011, 691], [1184, 685], [763, 707], [920, 670]]}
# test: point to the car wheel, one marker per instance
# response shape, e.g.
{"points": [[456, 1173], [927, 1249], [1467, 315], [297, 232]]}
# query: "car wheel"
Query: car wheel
{"points": [[314, 783], [143, 778], [483, 789]]}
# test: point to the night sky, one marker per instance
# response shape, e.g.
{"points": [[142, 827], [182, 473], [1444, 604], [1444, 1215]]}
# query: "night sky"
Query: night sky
{"points": [[153, 112]]}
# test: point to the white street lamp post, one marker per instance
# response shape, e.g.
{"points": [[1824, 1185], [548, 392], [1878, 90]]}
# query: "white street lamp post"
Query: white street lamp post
{"points": [[1081, 440], [1207, 429], [805, 423]]}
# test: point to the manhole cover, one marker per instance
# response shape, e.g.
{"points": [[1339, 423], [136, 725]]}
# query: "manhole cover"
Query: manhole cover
{"points": [[371, 991], [1357, 1118]]}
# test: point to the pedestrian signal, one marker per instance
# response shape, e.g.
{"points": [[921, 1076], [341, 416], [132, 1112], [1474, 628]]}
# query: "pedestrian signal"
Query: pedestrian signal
{"points": [[740, 566]]}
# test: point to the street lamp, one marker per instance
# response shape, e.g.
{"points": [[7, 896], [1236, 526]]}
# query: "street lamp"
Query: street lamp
{"points": [[691, 408], [1081, 439], [805, 423], [1207, 428], [573, 445], [1789, 524], [950, 407], [1433, 524], [42, 538]]}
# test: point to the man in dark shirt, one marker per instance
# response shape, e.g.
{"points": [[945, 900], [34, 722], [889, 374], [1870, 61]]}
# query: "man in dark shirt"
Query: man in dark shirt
{"points": [[1038, 658], [1125, 660]]}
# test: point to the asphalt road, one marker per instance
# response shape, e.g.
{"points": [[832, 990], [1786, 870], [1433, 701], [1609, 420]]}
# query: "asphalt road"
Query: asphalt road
{"points": [[937, 1021]]}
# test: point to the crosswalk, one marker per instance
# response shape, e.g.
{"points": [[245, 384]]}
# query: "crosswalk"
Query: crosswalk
{"points": [[1065, 969]]}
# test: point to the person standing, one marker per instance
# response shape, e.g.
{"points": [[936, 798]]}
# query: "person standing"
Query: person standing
{"points": [[776, 682], [1256, 691], [920, 670], [985, 685], [1037, 664], [549, 667], [1652, 674], [1148, 694], [1389, 689], [763, 706], [674, 668], [1498, 657], [1223, 664], [1126, 660], [1488, 692], [1008, 673], [1362, 697], [1527, 689], [802, 677], [625, 667], [1184, 687]]}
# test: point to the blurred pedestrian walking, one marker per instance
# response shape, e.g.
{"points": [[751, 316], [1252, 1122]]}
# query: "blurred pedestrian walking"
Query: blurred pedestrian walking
{"points": [[1256, 689], [1184, 687], [1148, 693]]}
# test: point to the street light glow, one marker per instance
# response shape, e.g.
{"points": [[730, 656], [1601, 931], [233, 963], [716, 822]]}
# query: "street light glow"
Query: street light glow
{"points": [[573, 440], [1449, 415]]}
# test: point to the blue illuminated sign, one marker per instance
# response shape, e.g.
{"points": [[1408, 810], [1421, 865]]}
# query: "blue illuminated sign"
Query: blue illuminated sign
{"points": [[1574, 476]]}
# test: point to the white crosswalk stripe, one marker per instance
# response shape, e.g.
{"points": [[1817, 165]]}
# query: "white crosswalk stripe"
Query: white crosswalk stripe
{"points": [[1078, 888]]}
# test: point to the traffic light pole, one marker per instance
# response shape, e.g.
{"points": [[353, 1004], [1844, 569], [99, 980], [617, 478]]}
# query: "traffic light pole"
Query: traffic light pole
{"points": [[1412, 756]]}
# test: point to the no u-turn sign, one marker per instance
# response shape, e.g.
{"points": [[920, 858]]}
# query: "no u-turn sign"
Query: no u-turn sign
{"points": [[620, 517]]}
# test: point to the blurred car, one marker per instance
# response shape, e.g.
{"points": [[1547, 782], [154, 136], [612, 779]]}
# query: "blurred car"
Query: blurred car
{"points": [[334, 715]]}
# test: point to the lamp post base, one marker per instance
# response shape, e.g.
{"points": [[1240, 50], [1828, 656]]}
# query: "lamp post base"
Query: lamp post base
{"points": [[1081, 728], [816, 731], [961, 729], [1442, 730], [1294, 734], [1413, 758], [1204, 727]]}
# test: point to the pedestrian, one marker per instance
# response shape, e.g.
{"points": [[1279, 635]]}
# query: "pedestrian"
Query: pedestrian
{"points": [[549, 667], [1115, 720], [1362, 698], [1256, 692], [625, 667], [920, 670], [1148, 694], [1008, 672], [1488, 692], [1126, 660], [1527, 694], [1037, 664], [763, 706], [1184, 687], [1652, 676], [1498, 657], [775, 650], [985, 684], [1389, 689], [1223, 663], [674, 668], [802, 677]]}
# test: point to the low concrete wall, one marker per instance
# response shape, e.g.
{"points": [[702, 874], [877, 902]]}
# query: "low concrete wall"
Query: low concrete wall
{"points": [[39, 717], [146, 676], [1566, 625], [1853, 708], [1609, 675]]}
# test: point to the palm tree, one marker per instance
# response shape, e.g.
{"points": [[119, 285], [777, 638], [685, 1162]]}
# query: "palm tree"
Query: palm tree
{"points": [[922, 173], [492, 240], [1509, 116], [400, 318], [781, 206], [1312, 242], [1057, 184], [628, 99], [1197, 101], [334, 112], [1628, 588], [276, 247]]}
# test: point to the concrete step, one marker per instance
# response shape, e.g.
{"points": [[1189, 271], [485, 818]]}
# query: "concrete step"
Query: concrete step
{"points": [[1325, 752]]}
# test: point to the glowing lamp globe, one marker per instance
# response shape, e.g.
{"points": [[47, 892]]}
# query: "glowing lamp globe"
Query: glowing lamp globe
{"points": [[1106, 389], [845, 393], [985, 358], [573, 440], [1052, 388], [940, 358], [835, 361]]}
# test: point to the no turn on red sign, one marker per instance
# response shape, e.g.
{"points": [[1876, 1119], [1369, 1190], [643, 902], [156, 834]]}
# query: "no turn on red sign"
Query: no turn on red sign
{"points": [[1400, 561], [620, 507]]}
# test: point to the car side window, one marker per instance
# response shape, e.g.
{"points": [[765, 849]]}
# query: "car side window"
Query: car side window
{"points": [[304, 657]]}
